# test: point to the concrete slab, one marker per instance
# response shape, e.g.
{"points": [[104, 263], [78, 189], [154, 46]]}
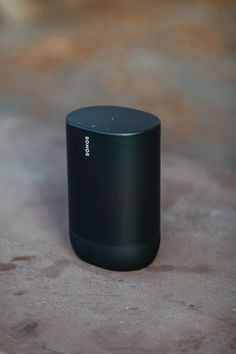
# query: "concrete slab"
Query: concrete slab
{"points": [[51, 302]]}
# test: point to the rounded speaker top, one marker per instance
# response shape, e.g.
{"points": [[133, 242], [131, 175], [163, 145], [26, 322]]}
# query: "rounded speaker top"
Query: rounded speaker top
{"points": [[113, 120]]}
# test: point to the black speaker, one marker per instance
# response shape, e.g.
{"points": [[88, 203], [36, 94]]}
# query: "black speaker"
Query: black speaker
{"points": [[113, 156]]}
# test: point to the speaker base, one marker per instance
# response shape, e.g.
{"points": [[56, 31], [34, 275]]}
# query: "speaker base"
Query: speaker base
{"points": [[118, 258]]}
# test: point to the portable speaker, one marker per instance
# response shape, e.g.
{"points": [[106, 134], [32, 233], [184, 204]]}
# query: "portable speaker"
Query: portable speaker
{"points": [[113, 156]]}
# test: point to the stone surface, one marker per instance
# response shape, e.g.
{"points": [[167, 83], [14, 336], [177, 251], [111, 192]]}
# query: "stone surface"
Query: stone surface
{"points": [[53, 303]]}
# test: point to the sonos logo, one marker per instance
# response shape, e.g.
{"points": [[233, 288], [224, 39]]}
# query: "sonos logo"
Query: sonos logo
{"points": [[87, 150]]}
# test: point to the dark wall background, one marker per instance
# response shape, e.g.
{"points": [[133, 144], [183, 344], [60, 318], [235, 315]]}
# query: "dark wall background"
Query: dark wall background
{"points": [[173, 58]]}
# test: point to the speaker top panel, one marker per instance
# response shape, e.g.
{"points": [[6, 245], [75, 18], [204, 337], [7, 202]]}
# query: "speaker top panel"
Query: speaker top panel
{"points": [[113, 120]]}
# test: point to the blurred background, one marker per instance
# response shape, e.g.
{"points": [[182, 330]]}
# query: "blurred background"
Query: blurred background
{"points": [[173, 58]]}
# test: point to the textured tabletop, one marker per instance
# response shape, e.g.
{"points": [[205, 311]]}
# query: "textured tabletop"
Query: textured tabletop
{"points": [[53, 303]]}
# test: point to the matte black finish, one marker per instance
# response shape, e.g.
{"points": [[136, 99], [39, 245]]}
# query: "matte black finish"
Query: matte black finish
{"points": [[114, 186]]}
